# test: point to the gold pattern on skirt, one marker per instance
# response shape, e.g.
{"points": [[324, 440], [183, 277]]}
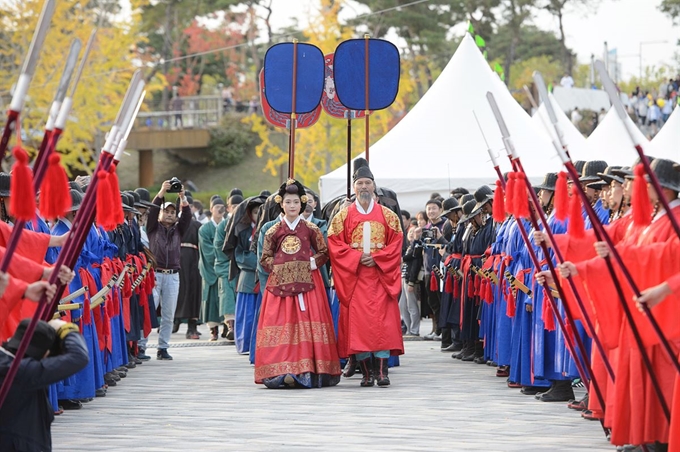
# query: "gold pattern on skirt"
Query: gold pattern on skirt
{"points": [[297, 368], [295, 333]]}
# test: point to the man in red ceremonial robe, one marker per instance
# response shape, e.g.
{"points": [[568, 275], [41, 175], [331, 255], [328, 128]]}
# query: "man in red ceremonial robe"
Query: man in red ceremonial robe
{"points": [[364, 240]]}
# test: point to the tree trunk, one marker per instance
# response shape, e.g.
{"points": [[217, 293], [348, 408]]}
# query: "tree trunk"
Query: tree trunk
{"points": [[566, 57]]}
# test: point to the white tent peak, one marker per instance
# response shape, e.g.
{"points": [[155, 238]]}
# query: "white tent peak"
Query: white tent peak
{"points": [[575, 141], [666, 143], [610, 140], [438, 145]]}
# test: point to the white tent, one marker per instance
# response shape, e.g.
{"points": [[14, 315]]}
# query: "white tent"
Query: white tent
{"points": [[438, 144], [576, 142], [610, 141], [666, 143], [583, 98]]}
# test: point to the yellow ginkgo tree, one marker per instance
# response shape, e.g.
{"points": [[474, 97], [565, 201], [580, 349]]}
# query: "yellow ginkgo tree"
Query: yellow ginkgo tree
{"points": [[104, 81]]}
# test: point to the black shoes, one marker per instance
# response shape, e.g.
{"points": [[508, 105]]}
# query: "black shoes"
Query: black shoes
{"points": [[142, 356], [533, 390], [367, 379], [69, 404], [560, 391], [452, 348], [101, 392], [480, 360], [175, 325], [163, 355]]}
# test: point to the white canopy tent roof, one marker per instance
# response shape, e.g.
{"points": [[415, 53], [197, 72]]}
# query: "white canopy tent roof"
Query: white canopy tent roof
{"points": [[438, 145], [576, 142], [666, 143], [610, 141]]}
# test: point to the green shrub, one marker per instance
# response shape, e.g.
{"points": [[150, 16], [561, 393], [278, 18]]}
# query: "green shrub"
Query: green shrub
{"points": [[230, 142]]}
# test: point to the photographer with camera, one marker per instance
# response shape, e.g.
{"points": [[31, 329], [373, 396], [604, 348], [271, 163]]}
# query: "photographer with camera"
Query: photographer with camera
{"points": [[165, 233], [433, 241], [56, 352]]}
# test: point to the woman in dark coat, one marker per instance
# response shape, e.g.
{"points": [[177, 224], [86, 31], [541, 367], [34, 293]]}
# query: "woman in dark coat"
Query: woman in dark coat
{"points": [[190, 282]]}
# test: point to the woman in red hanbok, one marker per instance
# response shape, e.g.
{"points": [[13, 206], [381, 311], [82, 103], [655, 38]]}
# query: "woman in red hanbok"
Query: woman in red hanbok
{"points": [[296, 344]]}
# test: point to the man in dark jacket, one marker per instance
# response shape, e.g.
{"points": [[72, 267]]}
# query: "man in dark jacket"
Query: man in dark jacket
{"points": [[165, 237], [26, 415]]}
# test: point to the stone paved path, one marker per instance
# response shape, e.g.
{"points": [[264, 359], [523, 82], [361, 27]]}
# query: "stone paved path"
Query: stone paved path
{"points": [[205, 400]]}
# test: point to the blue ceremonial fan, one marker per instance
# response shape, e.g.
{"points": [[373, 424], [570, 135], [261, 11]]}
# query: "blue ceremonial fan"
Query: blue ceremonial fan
{"points": [[349, 72], [305, 65]]}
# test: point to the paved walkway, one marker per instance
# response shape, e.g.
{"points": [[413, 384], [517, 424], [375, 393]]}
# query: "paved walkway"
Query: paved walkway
{"points": [[205, 400]]}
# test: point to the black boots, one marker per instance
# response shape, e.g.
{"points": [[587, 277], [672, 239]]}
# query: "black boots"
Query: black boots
{"points": [[367, 371], [380, 371], [214, 331], [192, 331], [351, 367], [175, 325]]}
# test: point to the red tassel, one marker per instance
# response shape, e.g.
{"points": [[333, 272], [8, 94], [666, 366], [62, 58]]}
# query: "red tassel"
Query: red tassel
{"points": [[642, 206], [512, 304], [478, 285], [561, 197], [499, 203], [104, 213], [576, 228], [22, 197], [448, 285], [116, 204], [456, 288], [510, 193], [434, 284], [521, 200], [489, 292], [470, 287], [55, 196], [547, 316]]}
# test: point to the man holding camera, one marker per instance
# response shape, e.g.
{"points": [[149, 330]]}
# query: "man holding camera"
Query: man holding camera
{"points": [[165, 233]]}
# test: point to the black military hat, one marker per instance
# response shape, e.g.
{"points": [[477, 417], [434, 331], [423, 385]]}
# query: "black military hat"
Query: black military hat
{"points": [[4, 184], [144, 197], [75, 186], [361, 170], [469, 210], [676, 167], [483, 195], [465, 198], [549, 182], [216, 201], [449, 205], [265, 193], [128, 203], [76, 200], [620, 174], [608, 175], [42, 340], [235, 191], [666, 173], [458, 192], [591, 170], [579, 164], [137, 200]]}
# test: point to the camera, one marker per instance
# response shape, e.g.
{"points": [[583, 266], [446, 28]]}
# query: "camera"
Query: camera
{"points": [[427, 236], [175, 185]]}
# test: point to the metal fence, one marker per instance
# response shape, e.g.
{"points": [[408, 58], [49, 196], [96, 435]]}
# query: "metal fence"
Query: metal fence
{"points": [[191, 112]]}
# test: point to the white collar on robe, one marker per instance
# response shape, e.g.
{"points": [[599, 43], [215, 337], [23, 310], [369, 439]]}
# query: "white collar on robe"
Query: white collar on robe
{"points": [[67, 223], [292, 225], [361, 209], [213, 222]]}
